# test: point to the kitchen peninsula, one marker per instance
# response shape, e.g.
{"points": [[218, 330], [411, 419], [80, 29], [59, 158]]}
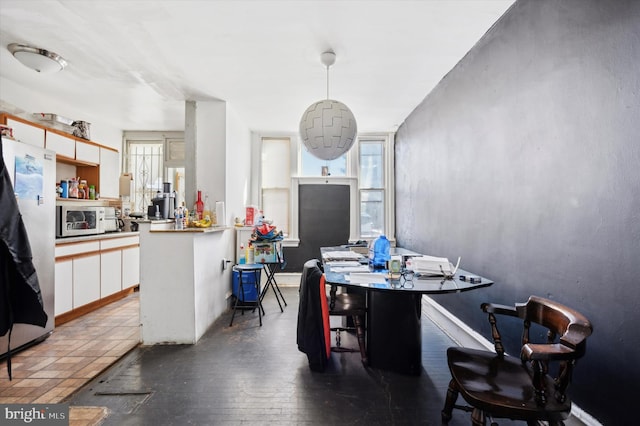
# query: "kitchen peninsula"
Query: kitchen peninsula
{"points": [[183, 281]]}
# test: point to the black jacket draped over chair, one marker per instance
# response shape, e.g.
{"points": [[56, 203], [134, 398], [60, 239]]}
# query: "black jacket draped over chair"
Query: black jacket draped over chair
{"points": [[313, 334]]}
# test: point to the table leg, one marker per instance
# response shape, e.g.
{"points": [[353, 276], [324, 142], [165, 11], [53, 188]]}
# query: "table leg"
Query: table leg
{"points": [[259, 301], [394, 335], [275, 287], [270, 270]]}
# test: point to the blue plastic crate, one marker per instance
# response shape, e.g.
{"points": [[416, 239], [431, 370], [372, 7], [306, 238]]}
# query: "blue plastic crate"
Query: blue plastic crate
{"points": [[248, 285]]}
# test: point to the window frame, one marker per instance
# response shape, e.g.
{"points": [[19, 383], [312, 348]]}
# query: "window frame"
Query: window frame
{"points": [[276, 189], [163, 138], [388, 144]]}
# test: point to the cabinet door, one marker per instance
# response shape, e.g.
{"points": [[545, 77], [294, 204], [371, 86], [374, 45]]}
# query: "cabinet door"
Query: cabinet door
{"points": [[110, 279], [130, 267], [87, 153], [86, 280], [27, 133], [64, 287], [109, 173], [62, 145]]}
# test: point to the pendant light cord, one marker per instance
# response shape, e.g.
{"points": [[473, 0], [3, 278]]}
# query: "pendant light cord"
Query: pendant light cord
{"points": [[327, 81]]}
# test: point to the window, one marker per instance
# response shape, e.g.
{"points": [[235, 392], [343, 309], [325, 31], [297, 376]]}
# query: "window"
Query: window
{"points": [[276, 181], [367, 168], [153, 158], [312, 166], [144, 161], [371, 188]]}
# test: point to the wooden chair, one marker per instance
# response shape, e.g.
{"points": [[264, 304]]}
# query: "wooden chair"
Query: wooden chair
{"points": [[531, 387], [353, 306], [314, 311]]}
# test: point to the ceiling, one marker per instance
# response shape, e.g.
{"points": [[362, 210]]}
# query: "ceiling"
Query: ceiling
{"points": [[133, 63]]}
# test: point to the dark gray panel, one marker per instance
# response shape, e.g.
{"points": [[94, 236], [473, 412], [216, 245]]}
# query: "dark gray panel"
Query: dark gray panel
{"points": [[524, 162], [324, 222]]}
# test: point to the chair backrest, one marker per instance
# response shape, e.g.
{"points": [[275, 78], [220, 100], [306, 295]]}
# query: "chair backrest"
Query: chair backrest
{"points": [[567, 332], [569, 327]]}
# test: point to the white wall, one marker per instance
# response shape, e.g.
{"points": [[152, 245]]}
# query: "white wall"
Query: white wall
{"points": [[238, 165], [210, 134]]}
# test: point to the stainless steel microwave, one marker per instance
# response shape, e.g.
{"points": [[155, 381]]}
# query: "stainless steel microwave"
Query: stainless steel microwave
{"points": [[74, 221]]}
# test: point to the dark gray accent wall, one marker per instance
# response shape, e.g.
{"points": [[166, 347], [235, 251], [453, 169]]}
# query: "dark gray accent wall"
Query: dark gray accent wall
{"points": [[525, 161]]}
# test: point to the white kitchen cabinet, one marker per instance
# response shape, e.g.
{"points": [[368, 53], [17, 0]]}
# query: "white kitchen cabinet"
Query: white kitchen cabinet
{"points": [[86, 279], [130, 267], [92, 271], [27, 133], [63, 287], [62, 145], [109, 173], [110, 279], [87, 153]]}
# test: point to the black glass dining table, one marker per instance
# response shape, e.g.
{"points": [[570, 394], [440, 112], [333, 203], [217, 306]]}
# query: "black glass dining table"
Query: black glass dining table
{"points": [[394, 303]]}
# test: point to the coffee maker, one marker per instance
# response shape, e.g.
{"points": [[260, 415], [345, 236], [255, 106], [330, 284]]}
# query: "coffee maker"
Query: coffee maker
{"points": [[164, 203]]}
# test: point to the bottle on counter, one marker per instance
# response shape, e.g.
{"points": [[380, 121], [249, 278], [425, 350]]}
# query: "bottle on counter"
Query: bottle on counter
{"points": [[177, 220], [92, 192], [83, 190], [198, 207], [206, 209], [250, 254], [64, 186], [243, 256], [185, 216], [73, 188]]}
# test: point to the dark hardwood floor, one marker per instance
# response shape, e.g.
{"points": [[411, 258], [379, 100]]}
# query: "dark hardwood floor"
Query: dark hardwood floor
{"points": [[251, 375]]}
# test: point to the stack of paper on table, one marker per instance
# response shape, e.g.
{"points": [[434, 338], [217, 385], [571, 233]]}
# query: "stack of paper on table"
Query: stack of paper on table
{"points": [[430, 265], [350, 268], [334, 263], [366, 278], [341, 255]]}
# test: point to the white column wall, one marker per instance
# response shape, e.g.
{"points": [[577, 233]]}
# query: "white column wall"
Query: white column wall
{"points": [[238, 164], [211, 140]]}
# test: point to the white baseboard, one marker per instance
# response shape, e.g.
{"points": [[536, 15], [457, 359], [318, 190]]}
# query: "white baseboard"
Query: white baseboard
{"points": [[463, 335]]}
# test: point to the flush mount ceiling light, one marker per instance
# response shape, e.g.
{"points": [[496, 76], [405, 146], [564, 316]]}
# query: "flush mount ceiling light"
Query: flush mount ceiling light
{"points": [[328, 127], [37, 59]]}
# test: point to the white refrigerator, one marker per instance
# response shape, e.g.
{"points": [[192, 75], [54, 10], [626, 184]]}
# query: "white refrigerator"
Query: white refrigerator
{"points": [[35, 186]]}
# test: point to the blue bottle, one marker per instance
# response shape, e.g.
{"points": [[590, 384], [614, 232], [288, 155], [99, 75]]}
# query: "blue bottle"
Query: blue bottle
{"points": [[379, 252], [64, 184]]}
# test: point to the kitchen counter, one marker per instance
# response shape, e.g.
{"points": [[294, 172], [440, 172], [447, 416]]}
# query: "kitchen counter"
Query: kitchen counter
{"points": [[204, 230], [153, 221], [184, 281], [168, 226], [96, 237]]}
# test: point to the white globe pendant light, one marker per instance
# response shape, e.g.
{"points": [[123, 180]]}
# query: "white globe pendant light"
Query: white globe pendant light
{"points": [[328, 128]]}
